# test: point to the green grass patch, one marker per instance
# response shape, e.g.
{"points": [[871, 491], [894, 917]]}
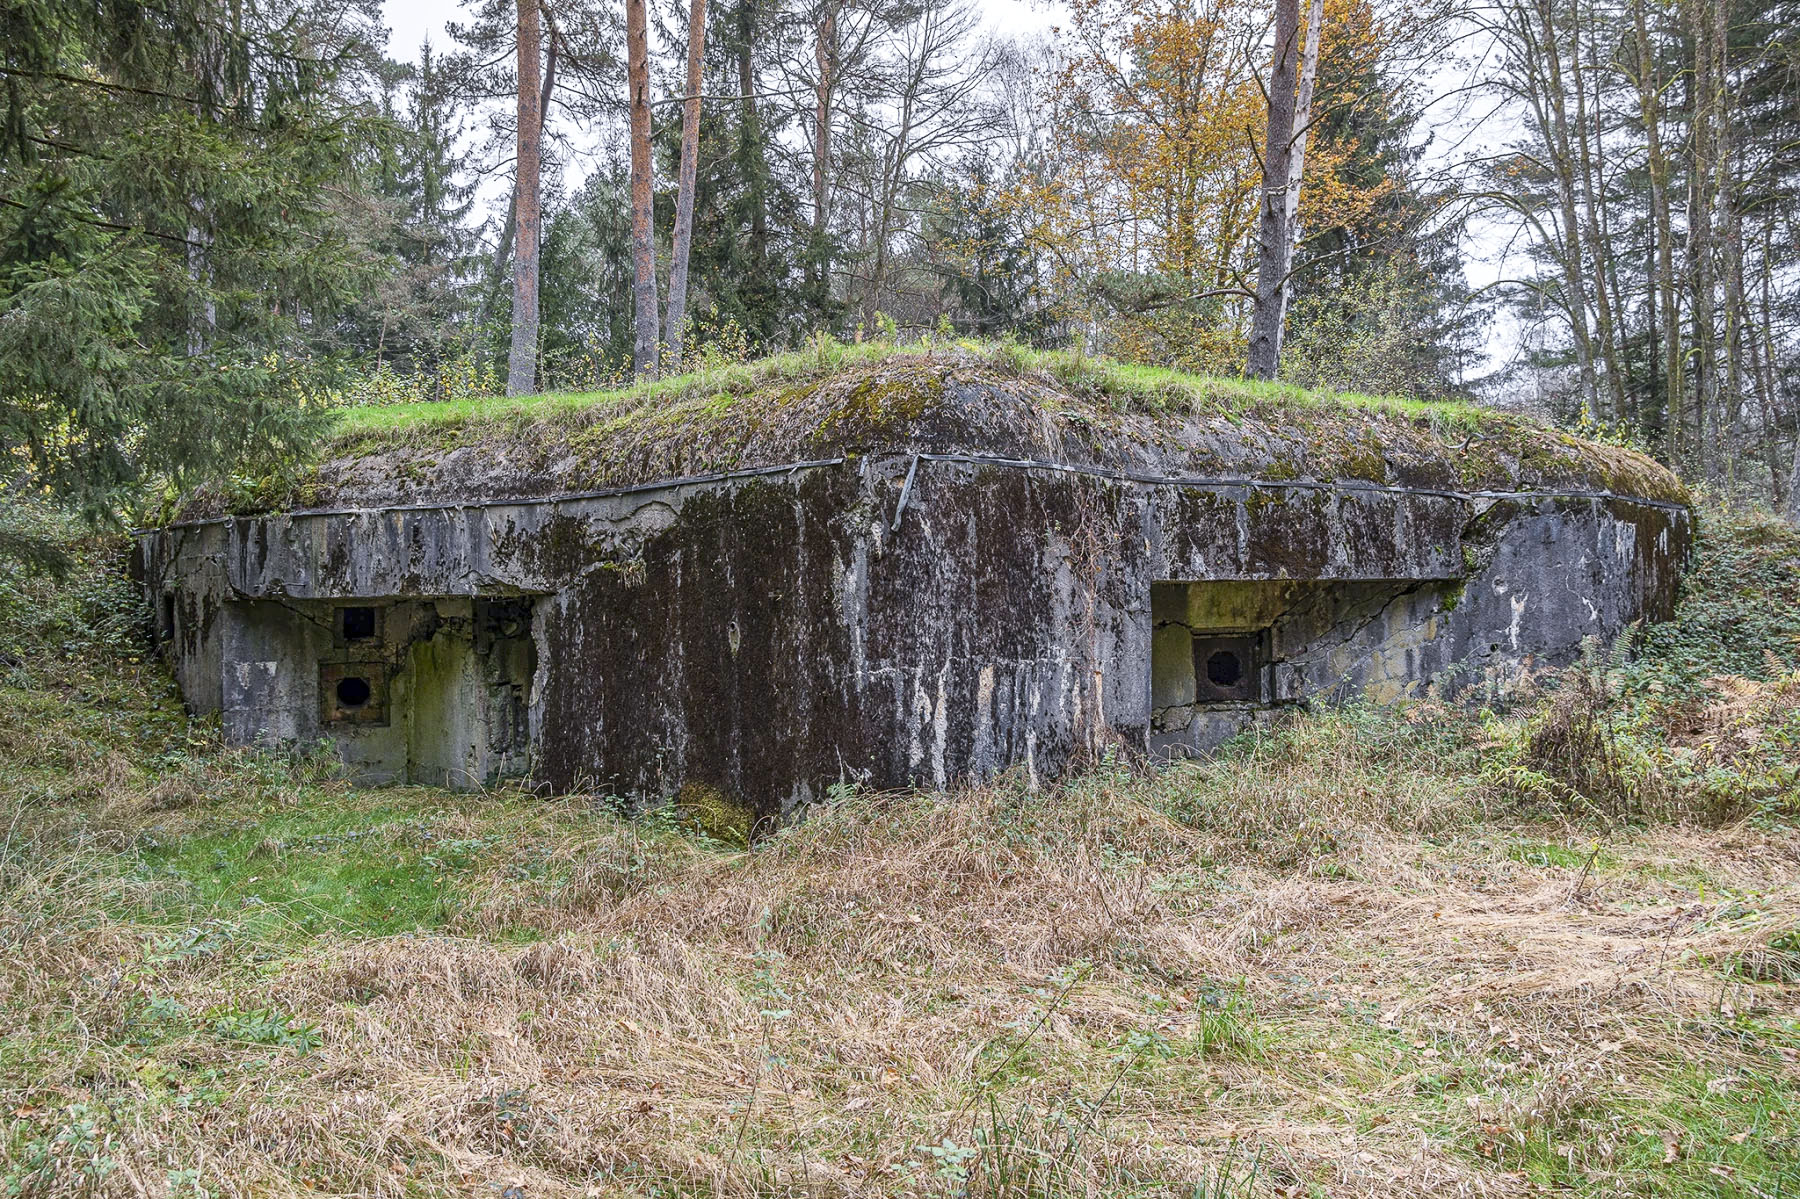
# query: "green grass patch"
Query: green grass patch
{"points": [[1143, 388], [334, 860], [716, 386], [1727, 1136], [1155, 387], [1562, 855], [310, 870]]}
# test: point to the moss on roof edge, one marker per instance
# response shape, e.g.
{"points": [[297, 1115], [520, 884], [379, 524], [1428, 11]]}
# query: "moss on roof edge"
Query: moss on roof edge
{"points": [[949, 402]]}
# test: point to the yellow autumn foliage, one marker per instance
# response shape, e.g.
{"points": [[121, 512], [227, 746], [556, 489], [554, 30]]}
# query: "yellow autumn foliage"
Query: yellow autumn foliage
{"points": [[1147, 197]]}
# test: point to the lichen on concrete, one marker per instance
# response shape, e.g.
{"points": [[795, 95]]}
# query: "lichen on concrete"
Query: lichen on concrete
{"points": [[944, 568]]}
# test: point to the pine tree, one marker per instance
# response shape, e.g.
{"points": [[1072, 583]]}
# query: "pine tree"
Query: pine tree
{"points": [[579, 77], [586, 302], [973, 242]]}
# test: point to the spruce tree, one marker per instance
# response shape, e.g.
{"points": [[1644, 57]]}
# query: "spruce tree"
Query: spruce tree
{"points": [[171, 254], [416, 202]]}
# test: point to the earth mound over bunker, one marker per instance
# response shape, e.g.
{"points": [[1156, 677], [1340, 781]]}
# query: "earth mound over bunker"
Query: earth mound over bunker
{"points": [[904, 568]]}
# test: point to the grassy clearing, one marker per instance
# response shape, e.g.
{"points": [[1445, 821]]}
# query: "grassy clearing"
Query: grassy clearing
{"points": [[1368, 954]]}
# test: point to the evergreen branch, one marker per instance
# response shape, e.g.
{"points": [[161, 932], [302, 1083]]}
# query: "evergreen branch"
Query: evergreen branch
{"points": [[101, 84], [98, 223], [72, 149]]}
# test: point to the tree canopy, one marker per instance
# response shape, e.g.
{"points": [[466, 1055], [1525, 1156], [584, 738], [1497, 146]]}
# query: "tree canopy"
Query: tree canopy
{"points": [[221, 218]]}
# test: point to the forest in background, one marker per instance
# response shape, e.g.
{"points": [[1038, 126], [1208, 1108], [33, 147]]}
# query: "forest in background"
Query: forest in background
{"points": [[220, 219], [1546, 945]]}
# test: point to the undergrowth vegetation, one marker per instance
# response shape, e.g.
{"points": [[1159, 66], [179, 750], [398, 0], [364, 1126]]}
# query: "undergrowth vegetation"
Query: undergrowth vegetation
{"points": [[1550, 948], [1696, 718]]}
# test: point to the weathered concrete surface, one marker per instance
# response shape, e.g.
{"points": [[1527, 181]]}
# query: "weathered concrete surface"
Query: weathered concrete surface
{"points": [[757, 637]]}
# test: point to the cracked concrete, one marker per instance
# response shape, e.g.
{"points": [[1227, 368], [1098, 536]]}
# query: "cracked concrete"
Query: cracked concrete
{"points": [[768, 635]]}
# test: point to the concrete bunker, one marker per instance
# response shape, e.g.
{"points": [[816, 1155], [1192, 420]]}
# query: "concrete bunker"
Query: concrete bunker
{"points": [[908, 574], [432, 690], [1227, 653]]}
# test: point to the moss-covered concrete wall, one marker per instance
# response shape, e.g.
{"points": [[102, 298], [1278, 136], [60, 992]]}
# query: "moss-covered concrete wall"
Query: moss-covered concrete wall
{"points": [[756, 638]]}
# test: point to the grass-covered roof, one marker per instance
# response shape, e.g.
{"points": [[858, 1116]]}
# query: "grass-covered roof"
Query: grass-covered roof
{"points": [[833, 399]]}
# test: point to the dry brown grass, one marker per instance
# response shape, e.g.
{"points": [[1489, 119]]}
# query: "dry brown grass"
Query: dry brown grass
{"points": [[1313, 965]]}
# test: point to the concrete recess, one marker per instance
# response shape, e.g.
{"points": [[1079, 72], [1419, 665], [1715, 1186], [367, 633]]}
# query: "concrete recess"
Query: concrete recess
{"points": [[912, 574]]}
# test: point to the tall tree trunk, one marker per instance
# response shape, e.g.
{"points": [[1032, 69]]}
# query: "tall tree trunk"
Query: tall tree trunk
{"points": [[521, 367], [203, 324], [647, 342], [1663, 266], [1767, 387], [825, 58], [1765, 399], [684, 196], [1556, 135], [1586, 140], [495, 274], [1610, 241], [878, 268], [895, 158], [750, 133], [1700, 236], [1309, 74], [1274, 251], [1731, 269], [1766, 364]]}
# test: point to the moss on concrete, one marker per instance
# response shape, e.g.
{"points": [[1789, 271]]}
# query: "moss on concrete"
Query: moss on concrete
{"points": [[716, 814], [825, 402]]}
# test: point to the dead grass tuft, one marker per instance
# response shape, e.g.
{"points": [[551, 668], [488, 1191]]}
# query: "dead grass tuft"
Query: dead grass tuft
{"points": [[421, 970]]}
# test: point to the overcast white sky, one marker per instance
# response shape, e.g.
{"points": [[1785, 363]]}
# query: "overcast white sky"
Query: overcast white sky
{"points": [[410, 22]]}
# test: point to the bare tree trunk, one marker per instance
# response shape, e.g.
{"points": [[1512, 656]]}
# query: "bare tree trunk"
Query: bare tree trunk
{"points": [[1793, 487], [1762, 359], [496, 272], [1608, 240], [1586, 143], [751, 130], [1274, 251], [1556, 135], [1700, 231], [1767, 364], [1650, 113], [1662, 269], [684, 196], [647, 343], [884, 220], [1765, 398], [521, 366], [1309, 74], [825, 57], [203, 325], [1732, 281]]}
